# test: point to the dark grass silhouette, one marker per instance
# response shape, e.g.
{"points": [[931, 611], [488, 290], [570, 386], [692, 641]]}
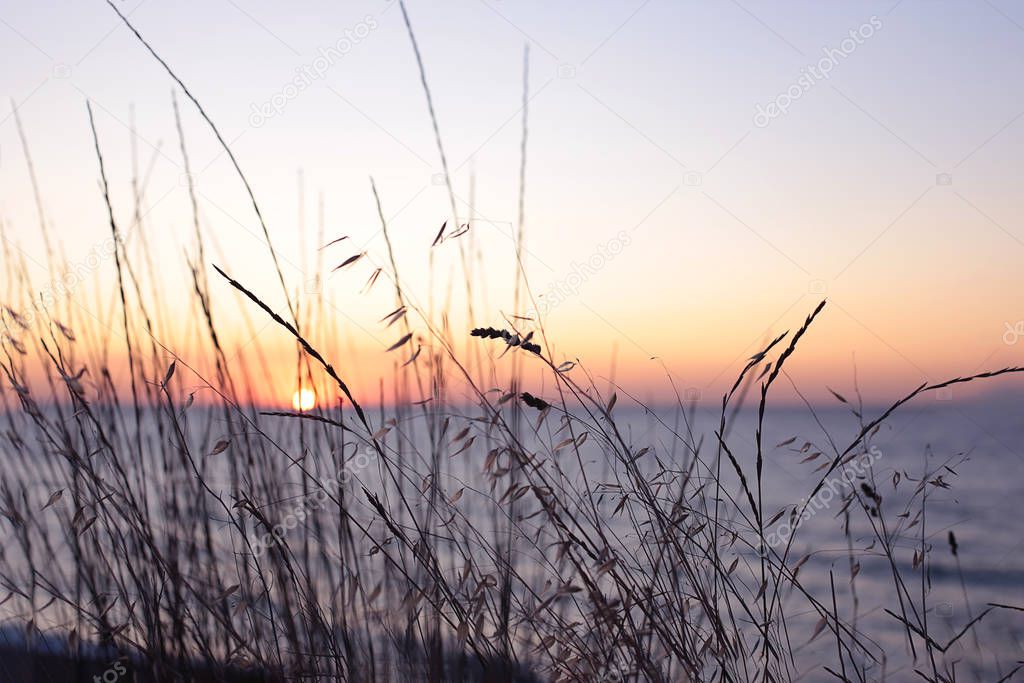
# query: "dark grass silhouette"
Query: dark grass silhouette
{"points": [[428, 539]]}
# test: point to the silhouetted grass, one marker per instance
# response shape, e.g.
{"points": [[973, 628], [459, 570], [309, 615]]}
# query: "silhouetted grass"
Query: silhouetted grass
{"points": [[428, 538]]}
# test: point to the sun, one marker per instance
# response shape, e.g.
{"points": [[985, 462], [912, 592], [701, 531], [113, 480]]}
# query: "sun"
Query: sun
{"points": [[303, 400]]}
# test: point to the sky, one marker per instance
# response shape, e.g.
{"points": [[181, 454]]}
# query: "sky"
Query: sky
{"points": [[698, 175]]}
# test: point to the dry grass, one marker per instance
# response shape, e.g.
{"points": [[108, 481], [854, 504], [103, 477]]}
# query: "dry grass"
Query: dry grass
{"points": [[430, 539]]}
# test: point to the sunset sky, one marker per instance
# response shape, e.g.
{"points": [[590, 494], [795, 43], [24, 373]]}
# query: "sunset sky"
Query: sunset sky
{"points": [[657, 149]]}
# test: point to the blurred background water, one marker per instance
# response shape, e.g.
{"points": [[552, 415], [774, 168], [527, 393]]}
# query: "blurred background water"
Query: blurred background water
{"points": [[971, 451]]}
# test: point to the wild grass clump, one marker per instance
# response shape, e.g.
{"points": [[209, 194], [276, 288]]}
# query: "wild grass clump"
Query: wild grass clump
{"points": [[525, 534], [435, 541]]}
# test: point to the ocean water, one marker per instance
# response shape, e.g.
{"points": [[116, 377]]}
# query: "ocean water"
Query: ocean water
{"points": [[969, 454]]}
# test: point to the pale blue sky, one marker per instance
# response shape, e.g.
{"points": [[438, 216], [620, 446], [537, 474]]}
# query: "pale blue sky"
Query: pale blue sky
{"points": [[632, 104]]}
